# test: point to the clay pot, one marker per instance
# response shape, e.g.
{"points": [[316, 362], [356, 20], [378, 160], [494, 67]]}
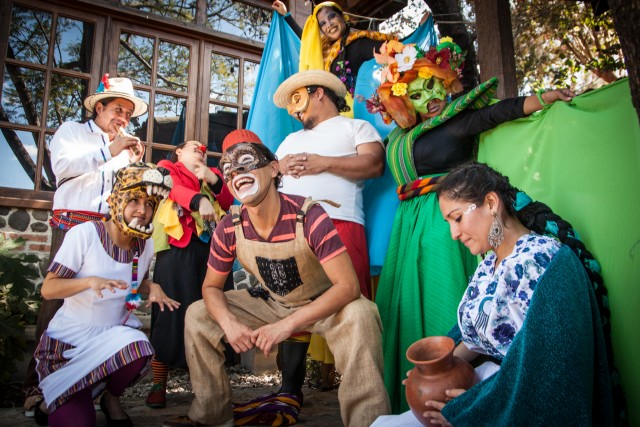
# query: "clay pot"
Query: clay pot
{"points": [[436, 370]]}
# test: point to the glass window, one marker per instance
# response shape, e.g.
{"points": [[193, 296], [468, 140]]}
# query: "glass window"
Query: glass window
{"points": [[224, 77], [138, 125], [182, 10], [250, 79], [48, 177], [240, 19], [222, 120], [65, 100], [73, 45], [22, 94], [160, 154], [135, 58], [173, 66], [18, 151], [168, 119], [29, 36]]}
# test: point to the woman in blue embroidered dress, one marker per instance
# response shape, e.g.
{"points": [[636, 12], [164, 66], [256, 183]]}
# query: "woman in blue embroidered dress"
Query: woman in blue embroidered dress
{"points": [[524, 266], [533, 307], [93, 342]]}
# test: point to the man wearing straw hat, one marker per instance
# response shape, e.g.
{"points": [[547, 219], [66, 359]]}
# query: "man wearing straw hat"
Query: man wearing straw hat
{"points": [[329, 160], [85, 158]]}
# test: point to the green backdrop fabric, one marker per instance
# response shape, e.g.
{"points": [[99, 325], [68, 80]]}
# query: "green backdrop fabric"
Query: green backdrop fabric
{"points": [[583, 160]]}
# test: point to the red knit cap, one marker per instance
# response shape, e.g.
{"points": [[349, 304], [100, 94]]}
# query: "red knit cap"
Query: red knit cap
{"points": [[238, 136]]}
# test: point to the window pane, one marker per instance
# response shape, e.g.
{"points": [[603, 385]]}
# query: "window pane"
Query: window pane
{"points": [[224, 77], [250, 78], [135, 58], [222, 120], [138, 125], [173, 66], [18, 151], [238, 18], [48, 178], [183, 10], [29, 37], [65, 100], [73, 45], [160, 154], [22, 95], [168, 127]]}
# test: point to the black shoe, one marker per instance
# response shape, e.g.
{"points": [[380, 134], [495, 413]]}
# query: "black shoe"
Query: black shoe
{"points": [[126, 422], [41, 417]]}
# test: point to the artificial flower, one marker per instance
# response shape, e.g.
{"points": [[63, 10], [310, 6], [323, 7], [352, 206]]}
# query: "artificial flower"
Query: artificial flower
{"points": [[441, 59], [446, 40], [390, 73], [399, 89], [425, 73], [394, 46], [406, 58]]}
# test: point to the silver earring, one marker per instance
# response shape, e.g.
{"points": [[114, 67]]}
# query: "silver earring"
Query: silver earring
{"points": [[496, 232]]}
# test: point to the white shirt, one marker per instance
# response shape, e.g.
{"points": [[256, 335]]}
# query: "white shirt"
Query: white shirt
{"points": [[84, 168], [336, 137]]}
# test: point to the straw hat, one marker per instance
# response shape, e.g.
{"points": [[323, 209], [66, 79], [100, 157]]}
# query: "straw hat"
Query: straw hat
{"points": [[307, 78], [117, 87]]}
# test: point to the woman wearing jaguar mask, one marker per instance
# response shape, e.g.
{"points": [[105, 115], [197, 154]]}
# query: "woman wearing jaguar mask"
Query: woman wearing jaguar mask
{"points": [[93, 342], [425, 272]]}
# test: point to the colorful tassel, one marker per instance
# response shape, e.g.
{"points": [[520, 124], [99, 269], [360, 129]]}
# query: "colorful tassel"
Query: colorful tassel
{"points": [[133, 300]]}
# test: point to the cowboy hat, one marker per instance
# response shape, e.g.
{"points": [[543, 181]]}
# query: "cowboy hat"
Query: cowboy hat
{"points": [[117, 87], [304, 79]]}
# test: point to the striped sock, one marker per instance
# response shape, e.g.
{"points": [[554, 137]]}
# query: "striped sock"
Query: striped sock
{"points": [[160, 372]]}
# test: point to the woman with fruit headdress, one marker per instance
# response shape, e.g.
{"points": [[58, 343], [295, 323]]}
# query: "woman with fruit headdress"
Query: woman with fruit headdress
{"points": [[425, 272]]}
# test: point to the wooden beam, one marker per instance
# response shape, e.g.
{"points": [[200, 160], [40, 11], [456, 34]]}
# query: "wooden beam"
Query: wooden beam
{"points": [[495, 45]]}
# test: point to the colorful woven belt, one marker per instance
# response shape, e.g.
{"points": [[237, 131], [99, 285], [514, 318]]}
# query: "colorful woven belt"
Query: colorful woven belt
{"points": [[418, 187]]}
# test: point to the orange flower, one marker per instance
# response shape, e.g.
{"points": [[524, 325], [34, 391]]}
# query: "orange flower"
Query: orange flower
{"points": [[394, 46], [390, 73]]}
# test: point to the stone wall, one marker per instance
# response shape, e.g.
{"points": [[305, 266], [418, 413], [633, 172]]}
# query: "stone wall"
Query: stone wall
{"points": [[33, 226]]}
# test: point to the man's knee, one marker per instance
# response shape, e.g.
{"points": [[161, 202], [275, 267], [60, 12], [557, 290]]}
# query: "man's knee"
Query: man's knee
{"points": [[361, 311], [196, 316]]}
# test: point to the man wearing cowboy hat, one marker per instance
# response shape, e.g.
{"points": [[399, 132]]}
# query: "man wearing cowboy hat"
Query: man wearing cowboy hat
{"points": [[85, 158], [329, 159], [306, 283]]}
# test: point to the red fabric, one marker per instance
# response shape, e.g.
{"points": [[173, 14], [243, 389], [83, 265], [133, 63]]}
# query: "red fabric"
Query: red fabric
{"points": [[354, 239], [185, 186], [238, 136]]}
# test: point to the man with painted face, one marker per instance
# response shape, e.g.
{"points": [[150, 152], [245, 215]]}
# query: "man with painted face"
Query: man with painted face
{"points": [[306, 283], [85, 158], [425, 272]]}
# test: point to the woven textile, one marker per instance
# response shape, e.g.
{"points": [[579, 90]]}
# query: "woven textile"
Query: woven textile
{"points": [[400, 141]]}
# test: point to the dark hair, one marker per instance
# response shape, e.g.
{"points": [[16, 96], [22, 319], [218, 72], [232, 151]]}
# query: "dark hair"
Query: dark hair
{"points": [[104, 102], [339, 102], [174, 155], [473, 180]]}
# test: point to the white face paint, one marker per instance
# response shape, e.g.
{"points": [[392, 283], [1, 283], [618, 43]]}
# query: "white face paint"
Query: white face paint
{"points": [[245, 185]]}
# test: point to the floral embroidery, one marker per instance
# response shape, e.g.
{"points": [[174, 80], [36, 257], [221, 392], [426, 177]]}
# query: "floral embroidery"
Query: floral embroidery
{"points": [[494, 307]]}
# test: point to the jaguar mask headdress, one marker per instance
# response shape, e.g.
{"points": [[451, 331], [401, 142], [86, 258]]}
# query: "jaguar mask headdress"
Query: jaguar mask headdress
{"points": [[134, 181]]}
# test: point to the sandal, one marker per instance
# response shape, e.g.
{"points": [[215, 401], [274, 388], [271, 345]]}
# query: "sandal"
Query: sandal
{"points": [[32, 398]]}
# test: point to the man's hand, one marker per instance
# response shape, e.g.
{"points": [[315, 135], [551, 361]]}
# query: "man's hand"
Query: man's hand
{"points": [[240, 336], [121, 143], [301, 164], [269, 336]]}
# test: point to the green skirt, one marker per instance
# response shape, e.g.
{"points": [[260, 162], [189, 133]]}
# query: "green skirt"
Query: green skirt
{"points": [[424, 276]]}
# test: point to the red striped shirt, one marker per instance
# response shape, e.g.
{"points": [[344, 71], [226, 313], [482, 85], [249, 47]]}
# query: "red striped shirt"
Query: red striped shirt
{"points": [[319, 231]]}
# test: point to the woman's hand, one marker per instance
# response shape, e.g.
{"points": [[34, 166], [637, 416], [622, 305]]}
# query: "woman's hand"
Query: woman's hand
{"points": [[557, 95], [99, 284], [279, 7], [436, 416], [157, 296], [207, 212]]}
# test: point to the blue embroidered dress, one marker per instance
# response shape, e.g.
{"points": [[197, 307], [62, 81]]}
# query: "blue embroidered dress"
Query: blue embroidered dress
{"points": [[495, 303]]}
